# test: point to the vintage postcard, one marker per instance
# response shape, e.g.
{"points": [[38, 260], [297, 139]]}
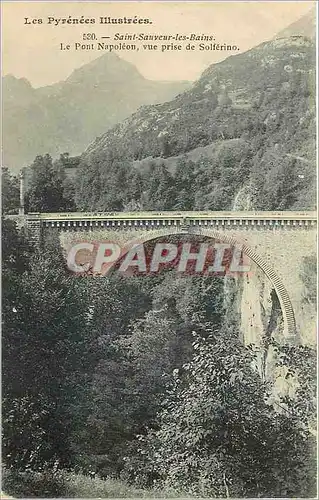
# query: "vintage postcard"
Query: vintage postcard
{"points": [[159, 232]]}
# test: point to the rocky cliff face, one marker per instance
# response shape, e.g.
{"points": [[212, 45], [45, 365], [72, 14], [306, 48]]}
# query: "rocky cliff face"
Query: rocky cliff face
{"points": [[262, 323]]}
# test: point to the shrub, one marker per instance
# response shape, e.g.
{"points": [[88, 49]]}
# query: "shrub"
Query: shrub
{"points": [[46, 484]]}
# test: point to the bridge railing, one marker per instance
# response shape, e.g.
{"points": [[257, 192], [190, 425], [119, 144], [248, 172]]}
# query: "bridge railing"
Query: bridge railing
{"points": [[198, 215]]}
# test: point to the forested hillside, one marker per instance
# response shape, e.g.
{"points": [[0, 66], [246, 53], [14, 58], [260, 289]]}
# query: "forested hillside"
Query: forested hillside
{"points": [[243, 137], [255, 111]]}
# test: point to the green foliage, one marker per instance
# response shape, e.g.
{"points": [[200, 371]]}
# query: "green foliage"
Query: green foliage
{"points": [[190, 300], [239, 100], [300, 362], [106, 409], [106, 185], [10, 192], [159, 192], [205, 183], [47, 484], [80, 486], [62, 484], [280, 185], [219, 437], [136, 358], [16, 249], [65, 169], [49, 346], [260, 131], [49, 190], [185, 178]]}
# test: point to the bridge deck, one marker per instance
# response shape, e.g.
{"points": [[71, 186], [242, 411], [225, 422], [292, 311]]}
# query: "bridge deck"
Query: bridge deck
{"points": [[287, 216]]}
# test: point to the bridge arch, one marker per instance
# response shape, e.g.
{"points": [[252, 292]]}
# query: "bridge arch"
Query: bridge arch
{"points": [[282, 294]]}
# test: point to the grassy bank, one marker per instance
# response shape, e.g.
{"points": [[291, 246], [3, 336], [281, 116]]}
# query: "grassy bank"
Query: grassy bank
{"points": [[80, 486], [71, 485]]}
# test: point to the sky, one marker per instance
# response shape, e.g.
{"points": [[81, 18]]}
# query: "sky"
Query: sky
{"points": [[33, 51]]}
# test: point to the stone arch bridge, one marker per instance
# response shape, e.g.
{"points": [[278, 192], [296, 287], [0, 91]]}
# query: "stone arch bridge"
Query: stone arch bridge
{"points": [[277, 242]]}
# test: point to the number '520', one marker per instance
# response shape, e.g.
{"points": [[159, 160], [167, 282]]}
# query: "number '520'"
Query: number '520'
{"points": [[89, 36]]}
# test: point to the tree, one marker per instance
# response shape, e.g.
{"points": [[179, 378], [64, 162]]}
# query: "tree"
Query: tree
{"points": [[217, 434], [114, 186], [184, 184], [224, 100], [45, 361], [45, 191], [165, 147], [108, 410], [105, 184], [16, 249], [134, 191], [159, 190], [65, 169], [10, 192]]}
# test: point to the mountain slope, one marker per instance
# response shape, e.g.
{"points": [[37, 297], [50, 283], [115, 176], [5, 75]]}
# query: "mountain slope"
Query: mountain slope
{"points": [[240, 82], [68, 115], [305, 26], [264, 98]]}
